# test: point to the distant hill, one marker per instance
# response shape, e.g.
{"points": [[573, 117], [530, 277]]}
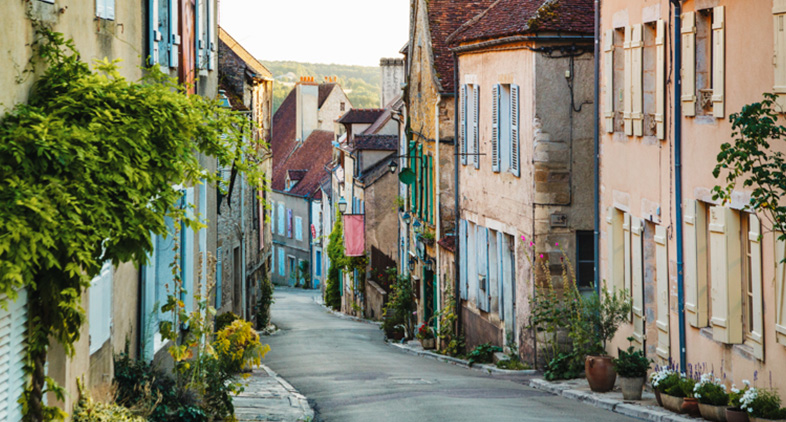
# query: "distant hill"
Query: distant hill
{"points": [[361, 83]]}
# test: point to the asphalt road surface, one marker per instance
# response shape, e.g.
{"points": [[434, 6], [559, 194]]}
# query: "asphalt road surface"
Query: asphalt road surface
{"points": [[350, 374]]}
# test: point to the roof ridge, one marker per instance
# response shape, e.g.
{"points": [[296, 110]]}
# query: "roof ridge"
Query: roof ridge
{"points": [[470, 22]]}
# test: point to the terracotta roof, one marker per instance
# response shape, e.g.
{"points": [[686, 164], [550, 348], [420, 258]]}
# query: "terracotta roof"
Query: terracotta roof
{"points": [[516, 17], [234, 100], [324, 93], [282, 141], [296, 175], [310, 157], [444, 17], [238, 49], [361, 115], [448, 242], [376, 142]]}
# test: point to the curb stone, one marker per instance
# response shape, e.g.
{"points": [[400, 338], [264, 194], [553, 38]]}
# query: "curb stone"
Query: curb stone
{"points": [[318, 300], [297, 399], [490, 369], [631, 409]]}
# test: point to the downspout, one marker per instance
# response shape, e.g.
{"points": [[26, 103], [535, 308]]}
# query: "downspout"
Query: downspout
{"points": [[435, 207], [456, 146], [678, 177], [140, 312], [310, 242], [243, 246], [596, 135]]}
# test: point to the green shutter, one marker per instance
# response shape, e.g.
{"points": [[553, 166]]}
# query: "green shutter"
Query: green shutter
{"points": [[431, 189], [413, 187]]}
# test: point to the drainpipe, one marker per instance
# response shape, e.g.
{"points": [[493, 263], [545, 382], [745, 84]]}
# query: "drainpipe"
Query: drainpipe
{"points": [[678, 177], [435, 207], [243, 246], [596, 135], [456, 146], [310, 242]]}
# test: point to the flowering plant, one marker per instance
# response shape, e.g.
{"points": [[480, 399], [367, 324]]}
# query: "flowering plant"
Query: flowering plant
{"points": [[762, 403], [710, 390], [735, 397], [425, 332], [664, 378]]}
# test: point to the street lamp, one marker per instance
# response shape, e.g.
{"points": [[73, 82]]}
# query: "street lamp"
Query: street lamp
{"points": [[393, 166], [416, 225], [429, 264], [342, 205], [411, 264], [405, 217]]}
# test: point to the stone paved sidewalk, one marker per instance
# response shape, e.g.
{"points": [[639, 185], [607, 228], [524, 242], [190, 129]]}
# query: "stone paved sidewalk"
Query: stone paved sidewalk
{"points": [[268, 397], [578, 389]]}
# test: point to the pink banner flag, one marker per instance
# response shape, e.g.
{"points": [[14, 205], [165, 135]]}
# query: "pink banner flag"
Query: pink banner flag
{"points": [[354, 237]]}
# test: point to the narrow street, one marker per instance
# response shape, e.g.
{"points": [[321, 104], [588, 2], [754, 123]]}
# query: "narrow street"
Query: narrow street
{"points": [[348, 374]]}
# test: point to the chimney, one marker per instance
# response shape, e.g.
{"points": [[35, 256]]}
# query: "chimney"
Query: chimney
{"points": [[307, 95], [392, 78]]}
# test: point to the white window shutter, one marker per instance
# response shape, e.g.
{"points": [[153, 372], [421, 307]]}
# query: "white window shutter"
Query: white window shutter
{"points": [[718, 61], [110, 9], [660, 80], [627, 89], [101, 8], [608, 77], [174, 33], [615, 252], [695, 266], [463, 259], [495, 109], [779, 53], [515, 142], [689, 64], [756, 335], [662, 287], [13, 334], [637, 280], [626, 251], [637, 95], [463, 125], [475, 126], [726, 276], [100, 308], [780, 289]]}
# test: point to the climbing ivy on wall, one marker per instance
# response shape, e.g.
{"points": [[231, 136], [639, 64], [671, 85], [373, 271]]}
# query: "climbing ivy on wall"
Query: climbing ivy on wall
{"points": [[89, 169]]}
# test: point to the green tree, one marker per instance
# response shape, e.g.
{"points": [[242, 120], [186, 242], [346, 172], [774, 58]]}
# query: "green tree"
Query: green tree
{"points": [[335, 252], [89, 169]]}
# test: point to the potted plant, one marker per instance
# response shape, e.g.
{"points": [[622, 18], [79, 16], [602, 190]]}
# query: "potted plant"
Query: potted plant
{"points": [[426, 336], [762, 405], [673, 397], [632, 366], [662, 379], [598, 323], [713, 398], [427, 236], [735, 413]]}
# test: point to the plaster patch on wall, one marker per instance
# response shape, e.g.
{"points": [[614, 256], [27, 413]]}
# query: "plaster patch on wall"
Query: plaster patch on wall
{"points": [[649, 210], [621, 200], [650, 14], [705, 4], [620, 19], [470, 79], [505, 78]]}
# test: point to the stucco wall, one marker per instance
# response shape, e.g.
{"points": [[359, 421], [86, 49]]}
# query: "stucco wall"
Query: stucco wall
{"points": [[292, 247], [331, 109]]}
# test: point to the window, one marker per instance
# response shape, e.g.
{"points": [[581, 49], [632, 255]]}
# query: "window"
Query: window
{"points": [[318, 264], [100, 308], [753, 322], [289, 223], [164, 39], [619, 77], [585, 262], [779, 61], [342, 106], [470, 107], [505, 129], [105, 9], [298, 228], [13, 325], [281, 258], [292, 269], [704, 62], [302, 270]]}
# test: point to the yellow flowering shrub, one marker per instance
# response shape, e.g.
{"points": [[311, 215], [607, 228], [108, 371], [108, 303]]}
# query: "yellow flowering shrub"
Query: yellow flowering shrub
{"points": [[239, 346]]}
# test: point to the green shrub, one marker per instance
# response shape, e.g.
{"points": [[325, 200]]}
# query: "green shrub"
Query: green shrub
{"points": [[632, 363], [683, 388], [265, 302], [761, 403], [399, 309], [224, 320], [711, 391], [483, 353], [564, 366], [88, 410]]}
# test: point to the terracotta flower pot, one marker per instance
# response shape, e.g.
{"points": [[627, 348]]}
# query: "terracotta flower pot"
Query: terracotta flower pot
{"points": [[631, 387], [672, 403], [657, 398], [600, 373], [713, 413], [428, 343], [736, 415], [690, 406]]}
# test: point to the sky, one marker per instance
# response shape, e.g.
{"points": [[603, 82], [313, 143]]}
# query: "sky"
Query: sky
{"points": [[356, 32]]}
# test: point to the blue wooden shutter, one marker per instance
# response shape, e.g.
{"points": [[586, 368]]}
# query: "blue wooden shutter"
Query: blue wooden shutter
{"points": [[100, 308], [281, 217], [281, 262], [495, 109], [463, 125], [174, 35], [500, 277], [515, 146], [463, 258], [299, 228], [220, 273], [13, 327], [289, 223], [152, 36], [210, 47], [187, 253], [476, 126], [198, 32]]}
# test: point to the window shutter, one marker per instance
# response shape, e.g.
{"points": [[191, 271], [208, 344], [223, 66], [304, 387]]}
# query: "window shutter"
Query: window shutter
{"points": [[100, 308], [615, 250], [660, 80], [500, 276], [662, 286], [289, 222], [637, 286], [608, 77], [174, 36], [495, 109], [726, 275], [637, 53], [110, 9], [515, 143], [220, 272], [463, 258], [101, 8], [780, 289], [483, 273], [13, 328], [475, 126], [779, 55], [281, 266], [756, 335], [627, 90], [626, 252], [719, 61], [154, 35], [198, 32], [463, 125], [210, 35], [695, 268], [299, 228], [689, 64], [188, 252]]}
